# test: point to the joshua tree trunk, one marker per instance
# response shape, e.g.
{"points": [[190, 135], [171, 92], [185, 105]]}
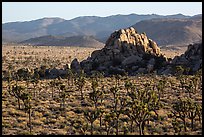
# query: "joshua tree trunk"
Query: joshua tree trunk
{"points": [[34, 92], [19, 106], [82, 96], [184, 122], [140, 128], [131, 126], [63, 103], [27, 84], [52, 93], [91, 128], [117, 126], [107, 131], [159, 95], [199, 119], [143, 125], [192, 124], [100, 124], [72, 81], [30, 120]]}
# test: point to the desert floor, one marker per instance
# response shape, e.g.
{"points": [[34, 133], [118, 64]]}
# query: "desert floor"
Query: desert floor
{"points": [[47, 117]]}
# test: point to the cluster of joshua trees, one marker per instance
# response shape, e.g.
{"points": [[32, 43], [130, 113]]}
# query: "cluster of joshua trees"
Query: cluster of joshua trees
{"points": [[123, 108]]}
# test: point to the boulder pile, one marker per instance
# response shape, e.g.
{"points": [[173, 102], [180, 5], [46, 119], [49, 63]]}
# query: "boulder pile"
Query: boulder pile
{"points": [[190, 61], [125, 52]]}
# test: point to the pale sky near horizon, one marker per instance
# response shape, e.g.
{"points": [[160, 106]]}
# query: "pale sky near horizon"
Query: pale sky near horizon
{"points": [[26, 11]]}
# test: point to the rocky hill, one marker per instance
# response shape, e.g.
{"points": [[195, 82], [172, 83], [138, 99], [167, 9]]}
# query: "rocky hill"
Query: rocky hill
{"points": [[188, 63], [99, 27], [80, 41], [179, 32], [126, 51]]}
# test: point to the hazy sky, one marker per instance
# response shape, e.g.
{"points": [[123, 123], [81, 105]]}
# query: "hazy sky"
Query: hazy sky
{"points": [[26, 11]]}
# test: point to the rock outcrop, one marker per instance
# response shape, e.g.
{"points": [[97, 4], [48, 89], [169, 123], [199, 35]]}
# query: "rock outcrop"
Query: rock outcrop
{"points": [[75, 66], [125, 51], [190, 61]]}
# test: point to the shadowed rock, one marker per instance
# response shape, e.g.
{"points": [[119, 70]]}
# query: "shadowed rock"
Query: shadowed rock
{"points": [[190, 61]]}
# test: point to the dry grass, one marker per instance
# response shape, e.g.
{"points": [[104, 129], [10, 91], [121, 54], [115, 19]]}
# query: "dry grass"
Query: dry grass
{"points": [[56, 55]]}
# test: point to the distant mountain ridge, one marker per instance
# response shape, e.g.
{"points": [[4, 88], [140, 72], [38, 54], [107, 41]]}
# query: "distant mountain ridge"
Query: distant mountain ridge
{"points": [[99, 27], [169, 31], [49, 40]]}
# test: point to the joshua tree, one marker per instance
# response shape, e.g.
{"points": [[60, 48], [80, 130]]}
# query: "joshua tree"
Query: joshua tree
{"points": [[70, 76], [16, 92], [128, 112], [118, 105], [117, 79], [114, 91], [102, 110], [91, 114], [35, 82], [28, 77], [63, 95], [179, 70], [122, 103], [141, 104], [9, 79], [42, 70], [128, 85], [131, 95], [199, 112], [185, 108], [95, 96], [26, 98], [180, 110], [80, 82], [195, 82], [176, 125], [189, 88], [21, 73], [109, 121], [183, 81], [58, 82], [80, 125], [194, 110], [199, 76], [160, 87], [94, 84], [98, 76], [52, 85]]}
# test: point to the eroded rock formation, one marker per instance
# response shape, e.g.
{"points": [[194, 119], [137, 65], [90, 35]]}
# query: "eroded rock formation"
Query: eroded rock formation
{"points": [[126, 51]]}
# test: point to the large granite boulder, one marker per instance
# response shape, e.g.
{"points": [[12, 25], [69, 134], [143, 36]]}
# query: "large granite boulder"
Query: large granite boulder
{"points": [[126, 51]]}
